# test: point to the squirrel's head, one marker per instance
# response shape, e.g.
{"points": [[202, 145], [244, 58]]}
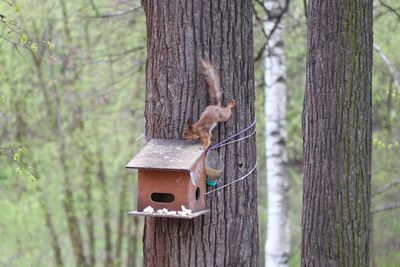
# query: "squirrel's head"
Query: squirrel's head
{"points": [[189, 133]]}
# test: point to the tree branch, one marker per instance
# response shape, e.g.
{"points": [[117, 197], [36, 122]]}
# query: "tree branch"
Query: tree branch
{"points": [[111, 15], [389, 65], [390, 8], [387, 207], [261, 4], [7, 2], [386, 187], [94, 7], [278, 17]]}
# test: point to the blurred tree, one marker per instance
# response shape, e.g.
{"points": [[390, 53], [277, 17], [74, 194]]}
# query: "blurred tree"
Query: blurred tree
{"points": [[179, 34], [277, 245], [337, 134]]}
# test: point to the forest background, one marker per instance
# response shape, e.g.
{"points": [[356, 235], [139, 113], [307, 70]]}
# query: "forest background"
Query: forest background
{"points": [[72, 88]]}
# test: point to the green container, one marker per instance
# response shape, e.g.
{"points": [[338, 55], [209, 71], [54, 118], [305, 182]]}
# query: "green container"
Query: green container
{"points": [[212, 183]]}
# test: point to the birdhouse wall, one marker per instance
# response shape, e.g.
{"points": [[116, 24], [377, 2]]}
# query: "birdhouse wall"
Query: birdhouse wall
{"points": [[156, 188], [197, 187]]}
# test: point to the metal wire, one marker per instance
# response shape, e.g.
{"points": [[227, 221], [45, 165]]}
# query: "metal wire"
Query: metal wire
{"points": [[235, 181]]}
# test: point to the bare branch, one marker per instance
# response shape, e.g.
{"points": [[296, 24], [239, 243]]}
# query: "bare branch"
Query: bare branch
{"points": [[278, 17], [261, 4], [16, 45], [391, 9], [111, 15], [7, 2], [261, 51], [386, 187], [305, 8], [387, 207], [94, 7], [260, 22], [389, 65]]}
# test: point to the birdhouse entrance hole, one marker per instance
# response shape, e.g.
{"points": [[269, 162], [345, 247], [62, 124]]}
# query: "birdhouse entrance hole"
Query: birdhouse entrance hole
{"points": [[197, 193], [163, 197]]}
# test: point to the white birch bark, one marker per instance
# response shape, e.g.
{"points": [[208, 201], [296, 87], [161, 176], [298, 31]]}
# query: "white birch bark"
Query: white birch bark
{"points": [[278, 238]]}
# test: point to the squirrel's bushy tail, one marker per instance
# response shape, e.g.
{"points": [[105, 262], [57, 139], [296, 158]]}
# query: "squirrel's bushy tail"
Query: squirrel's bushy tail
{"points": [[213, 83]]}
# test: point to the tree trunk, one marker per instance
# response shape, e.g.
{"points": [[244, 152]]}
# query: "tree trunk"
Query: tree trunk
{"points": [[101, 175], [179, 34], [278, 236], [55, 244], [88, 162], [121, 228], [87, 186], [337, 134]]}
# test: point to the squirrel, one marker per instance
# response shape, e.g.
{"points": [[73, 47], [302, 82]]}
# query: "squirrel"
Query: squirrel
{"points": [[211, 115]]}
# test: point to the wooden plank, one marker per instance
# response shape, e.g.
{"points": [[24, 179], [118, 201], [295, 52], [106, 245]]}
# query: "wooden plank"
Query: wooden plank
{"points": [[167, 154], [160, 215]]}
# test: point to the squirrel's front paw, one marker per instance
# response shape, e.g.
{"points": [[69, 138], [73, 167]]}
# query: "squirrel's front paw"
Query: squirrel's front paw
{"points": [[232, 103]]}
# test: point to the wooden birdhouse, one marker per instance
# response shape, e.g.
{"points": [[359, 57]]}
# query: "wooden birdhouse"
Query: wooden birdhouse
{"points": [[171, 174]]}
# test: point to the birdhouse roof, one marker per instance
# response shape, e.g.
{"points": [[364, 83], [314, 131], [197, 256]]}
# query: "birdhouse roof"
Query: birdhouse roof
{"points": [[167, 154]]}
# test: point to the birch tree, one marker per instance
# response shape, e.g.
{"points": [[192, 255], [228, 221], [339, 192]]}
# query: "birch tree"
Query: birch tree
{"points": [[278, 237]]}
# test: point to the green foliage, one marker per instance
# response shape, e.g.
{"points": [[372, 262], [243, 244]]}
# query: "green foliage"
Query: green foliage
{"points": [[86, 91], [23, 39], [34, 47]]}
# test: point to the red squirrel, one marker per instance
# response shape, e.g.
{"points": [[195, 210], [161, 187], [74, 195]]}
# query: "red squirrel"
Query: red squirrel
{"points": [[213, 113], [209, 118]]}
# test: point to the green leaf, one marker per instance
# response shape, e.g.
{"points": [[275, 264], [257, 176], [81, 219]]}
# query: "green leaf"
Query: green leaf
{"points": [[16, 156], [396, 144], [32, 178], [50, 45], [18, 170], [34, 47], [23, 39]]}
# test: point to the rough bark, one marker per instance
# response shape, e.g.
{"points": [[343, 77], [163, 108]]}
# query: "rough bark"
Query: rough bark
{"points": [[278, 236], [179, 34], [337, 134]]}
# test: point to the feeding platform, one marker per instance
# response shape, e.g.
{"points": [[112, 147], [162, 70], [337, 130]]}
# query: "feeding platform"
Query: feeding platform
{"points": [[171, 174]]}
